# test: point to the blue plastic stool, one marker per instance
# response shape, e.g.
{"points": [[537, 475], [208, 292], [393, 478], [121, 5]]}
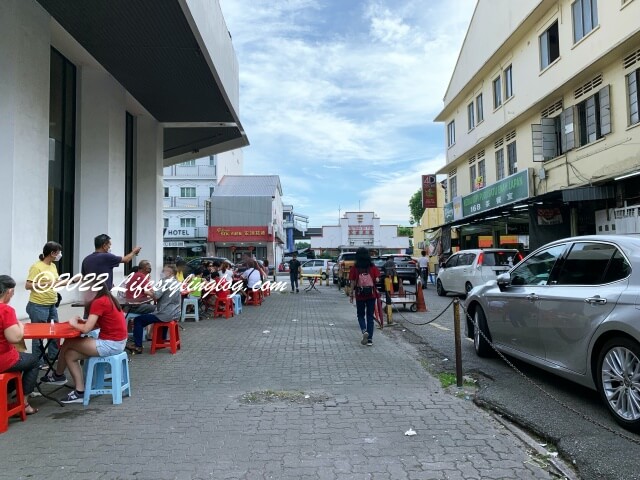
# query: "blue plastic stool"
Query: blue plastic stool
{"points": [[99, 381], [237, 304], [195, 315]]}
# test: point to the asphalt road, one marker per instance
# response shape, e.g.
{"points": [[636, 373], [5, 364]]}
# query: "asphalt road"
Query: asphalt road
{"points": [[595, 452]]}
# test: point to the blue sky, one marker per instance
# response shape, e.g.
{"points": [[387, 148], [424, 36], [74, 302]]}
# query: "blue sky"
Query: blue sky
{"points": [[338, 97]]}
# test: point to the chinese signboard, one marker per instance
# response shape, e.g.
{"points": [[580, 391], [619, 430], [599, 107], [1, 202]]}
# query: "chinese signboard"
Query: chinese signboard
{"points": [[239, 234], [549, 216], [511, 189], [182, 232], [360, 229], [429, 191]]}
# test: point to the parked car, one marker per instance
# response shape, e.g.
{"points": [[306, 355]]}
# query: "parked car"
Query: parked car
{"points": [[319, 265], [570, 307], [469, 268], [345, 262], [379, 263], [334, 273], [406, 267]]}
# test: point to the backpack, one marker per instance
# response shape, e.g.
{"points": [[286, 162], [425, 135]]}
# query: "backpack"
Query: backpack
{"points": [[364, 283]]}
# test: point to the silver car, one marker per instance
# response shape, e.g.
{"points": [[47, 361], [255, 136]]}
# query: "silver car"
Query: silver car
{"points": [[571, 307]]}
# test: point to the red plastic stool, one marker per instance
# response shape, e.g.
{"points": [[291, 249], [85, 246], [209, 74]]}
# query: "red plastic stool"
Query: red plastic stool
{"points": [[267, 290], [7, 409], [157, 340], [227, 307], [254, 298]]}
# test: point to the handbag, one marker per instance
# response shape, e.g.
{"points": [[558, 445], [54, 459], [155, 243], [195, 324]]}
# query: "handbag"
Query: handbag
{"points": [[59, 300]]}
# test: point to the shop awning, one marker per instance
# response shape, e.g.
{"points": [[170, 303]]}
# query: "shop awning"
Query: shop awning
{"points": [[581, 194]]}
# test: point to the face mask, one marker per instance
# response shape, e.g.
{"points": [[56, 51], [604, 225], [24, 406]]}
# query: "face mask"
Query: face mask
{"points": [[58, 257]]}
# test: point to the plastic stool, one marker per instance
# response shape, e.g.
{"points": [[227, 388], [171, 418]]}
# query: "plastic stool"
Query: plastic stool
{"points": [[100, 382], [254, 298], [237, 304], [195, 315], [267, 291], [158, 341], [7, 409], [227, 307]]}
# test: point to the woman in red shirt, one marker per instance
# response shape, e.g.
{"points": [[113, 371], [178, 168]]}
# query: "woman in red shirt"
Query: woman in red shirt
{"points": [[106, 314], [12, 331], [364, 276]]}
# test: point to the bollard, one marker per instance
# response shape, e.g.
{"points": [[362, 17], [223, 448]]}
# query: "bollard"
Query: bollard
{"points": [[458, 341]]}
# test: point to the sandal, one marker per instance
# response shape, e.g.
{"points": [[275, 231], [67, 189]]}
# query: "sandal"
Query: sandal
{"points": [[131, 347], [29, 410]]}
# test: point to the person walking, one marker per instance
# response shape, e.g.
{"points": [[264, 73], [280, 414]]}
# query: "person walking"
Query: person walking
{"points": [[11, 332], [294, 273], [363, 276], [423, 263], [42, 281]]}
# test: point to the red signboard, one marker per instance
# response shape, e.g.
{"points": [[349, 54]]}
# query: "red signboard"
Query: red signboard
{"points": [[239, 234], [429, 191]]}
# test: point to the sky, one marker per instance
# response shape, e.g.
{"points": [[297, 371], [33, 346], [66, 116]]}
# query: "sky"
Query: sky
{"points": [[338, 97]]}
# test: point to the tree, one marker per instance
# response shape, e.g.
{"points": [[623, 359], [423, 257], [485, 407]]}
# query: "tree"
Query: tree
{"points": [[302, 245], [415, 207], [405, 232]]}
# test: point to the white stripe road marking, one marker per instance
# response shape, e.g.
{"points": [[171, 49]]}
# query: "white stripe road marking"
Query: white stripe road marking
{"points": [[440, 327]]}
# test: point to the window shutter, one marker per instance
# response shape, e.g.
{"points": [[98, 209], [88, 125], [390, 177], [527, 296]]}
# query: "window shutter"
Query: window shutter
{"points": [[567, 124], [536, 137], [592, 133], [549, 139], [605, 110]]}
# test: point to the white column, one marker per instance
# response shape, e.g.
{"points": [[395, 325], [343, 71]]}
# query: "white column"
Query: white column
{"points": [[24, 139], [148, 223], [100, 163]]}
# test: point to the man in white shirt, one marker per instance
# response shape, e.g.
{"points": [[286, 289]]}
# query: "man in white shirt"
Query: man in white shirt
{"points": [[423, 263]]}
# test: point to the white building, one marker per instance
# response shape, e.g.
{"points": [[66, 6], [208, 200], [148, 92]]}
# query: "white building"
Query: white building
{"points": [[542, 123], [94, 102], [359, 229], [188, 187]]}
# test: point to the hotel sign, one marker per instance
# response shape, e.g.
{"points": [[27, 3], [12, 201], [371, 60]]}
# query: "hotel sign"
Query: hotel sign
{"points": [[508, 190], [182, 232], [239, 234]]}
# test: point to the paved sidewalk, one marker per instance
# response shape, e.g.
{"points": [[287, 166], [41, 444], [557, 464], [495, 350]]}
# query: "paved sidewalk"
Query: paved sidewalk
{"points": [[200, 414]]}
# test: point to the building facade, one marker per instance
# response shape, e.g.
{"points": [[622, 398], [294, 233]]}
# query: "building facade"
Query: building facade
{"points": [[542, 124], [247, 218], [187, 190], [359, 229], [92, 107]]}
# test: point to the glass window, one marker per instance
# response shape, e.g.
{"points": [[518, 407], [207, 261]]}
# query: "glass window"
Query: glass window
{"points": [[536, 270], [211, 190], [585, 17], [512, 158], [472, 177], [586, 264], [618, 268], [212, 160], [452, 262], [188, 192], [497, 92], [166, 192], [633, 79], [479, 109], [188, 163], [500, 164], [466, 259], [165, 222], [482, 179], [471, 116], [549, 46], [508, 82], [453, 187], [187, 222], [451, 133]]}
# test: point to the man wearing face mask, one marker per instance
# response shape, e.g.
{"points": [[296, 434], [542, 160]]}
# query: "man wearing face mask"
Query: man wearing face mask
{"points": [[41, 282], [103, 261]]}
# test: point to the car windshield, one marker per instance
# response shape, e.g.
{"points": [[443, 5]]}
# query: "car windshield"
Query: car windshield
{"points": [[348, 256], [501, 259]]}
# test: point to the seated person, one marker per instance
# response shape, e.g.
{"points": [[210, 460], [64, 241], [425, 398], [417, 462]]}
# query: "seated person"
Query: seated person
{"points": [[226, 272], [252, 276], [106, 314], [11, 332], [194, 286], [167, 297], [136, 287]]}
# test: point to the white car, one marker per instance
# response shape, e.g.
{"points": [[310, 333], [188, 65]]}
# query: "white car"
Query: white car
{"points": [[469, 268], [319, 266]]}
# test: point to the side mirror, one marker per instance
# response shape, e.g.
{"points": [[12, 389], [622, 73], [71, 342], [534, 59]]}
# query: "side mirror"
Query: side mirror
{"points": [[503, 280]]}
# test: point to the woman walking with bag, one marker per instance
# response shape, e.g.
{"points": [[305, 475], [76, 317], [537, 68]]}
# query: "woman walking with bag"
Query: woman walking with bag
{"points": [[364, 275]]}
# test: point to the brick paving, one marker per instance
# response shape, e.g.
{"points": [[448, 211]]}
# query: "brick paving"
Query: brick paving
{"points": [[199, 414]]}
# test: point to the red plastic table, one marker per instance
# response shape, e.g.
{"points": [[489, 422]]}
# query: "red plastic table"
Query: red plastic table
{"points": [[42, 332]]}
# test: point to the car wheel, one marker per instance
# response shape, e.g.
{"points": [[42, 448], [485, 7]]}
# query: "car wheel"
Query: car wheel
{"points": [[618, 380], [482, 347], [440, 290], [468, 287]]}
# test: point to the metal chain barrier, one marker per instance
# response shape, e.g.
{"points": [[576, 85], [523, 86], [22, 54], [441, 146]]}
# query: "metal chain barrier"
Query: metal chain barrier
{"points": [[425, 323], [538, 387]]}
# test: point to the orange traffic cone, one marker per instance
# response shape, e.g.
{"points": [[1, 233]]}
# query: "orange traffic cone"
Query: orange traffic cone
{"points": [[420, 303]]}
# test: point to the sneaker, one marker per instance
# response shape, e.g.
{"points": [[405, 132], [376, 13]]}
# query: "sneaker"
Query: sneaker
{"points": [[365, 338], [369, 343], [73, 397], [53, 379]]}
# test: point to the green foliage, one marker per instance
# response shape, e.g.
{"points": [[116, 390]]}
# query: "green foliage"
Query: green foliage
{"points": [[415, 207], [302, 245], [405, 232]]}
